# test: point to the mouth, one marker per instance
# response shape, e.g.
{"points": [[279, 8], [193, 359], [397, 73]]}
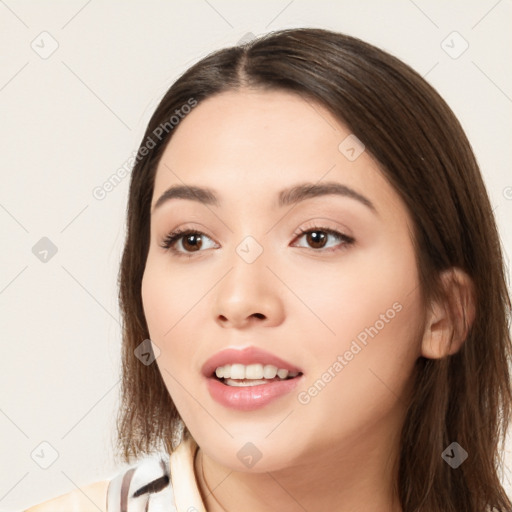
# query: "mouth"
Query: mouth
{"points": [[250, 378]]}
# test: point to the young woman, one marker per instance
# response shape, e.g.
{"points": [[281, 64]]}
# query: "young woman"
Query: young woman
{"points": [[313, 293]]}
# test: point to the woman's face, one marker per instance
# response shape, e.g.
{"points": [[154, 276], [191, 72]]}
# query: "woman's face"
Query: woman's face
{"points": [[343, 310]]}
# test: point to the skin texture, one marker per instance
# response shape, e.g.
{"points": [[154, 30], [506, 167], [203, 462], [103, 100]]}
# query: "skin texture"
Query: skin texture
{"points": [[304, 304]]}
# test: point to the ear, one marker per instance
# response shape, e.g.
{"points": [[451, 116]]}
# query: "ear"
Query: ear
{"points": [[450, 317]]}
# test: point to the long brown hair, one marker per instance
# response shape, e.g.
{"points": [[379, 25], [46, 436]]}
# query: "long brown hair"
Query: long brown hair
{"points": [[424, 154]]}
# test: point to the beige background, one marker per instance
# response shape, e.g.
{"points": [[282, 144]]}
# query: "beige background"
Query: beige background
{"points": [[70, 119]]}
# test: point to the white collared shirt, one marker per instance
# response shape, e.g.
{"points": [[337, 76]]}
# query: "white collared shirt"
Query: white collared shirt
{"points": [[158, 483]]}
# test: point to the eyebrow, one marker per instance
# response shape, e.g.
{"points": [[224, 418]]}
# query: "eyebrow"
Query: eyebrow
{"points": [[286, 197]]}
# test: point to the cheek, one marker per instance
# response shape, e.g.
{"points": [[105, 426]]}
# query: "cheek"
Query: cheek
{"points": [[372, 304], [168, 296], [166, 300], [174, 303], [165, 303], [362, 373], [362, 289]]}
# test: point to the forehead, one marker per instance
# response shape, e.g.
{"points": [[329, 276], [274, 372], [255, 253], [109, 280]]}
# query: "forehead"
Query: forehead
{"points": [[251, 143], [238, 124]]}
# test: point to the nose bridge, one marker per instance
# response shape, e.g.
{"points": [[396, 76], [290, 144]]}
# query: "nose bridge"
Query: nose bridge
{"points": [[249, 274], [250, 250], [247, 290]]}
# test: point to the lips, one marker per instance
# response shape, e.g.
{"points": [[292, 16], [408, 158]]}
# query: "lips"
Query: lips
{"points": [[255, 395], [246, 356]]}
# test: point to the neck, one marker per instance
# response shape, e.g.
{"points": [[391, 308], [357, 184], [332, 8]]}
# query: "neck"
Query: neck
{"points": [[357, 477]]}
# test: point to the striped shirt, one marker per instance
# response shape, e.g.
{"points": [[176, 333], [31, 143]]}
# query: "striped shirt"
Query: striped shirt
{"points": [[158, 483]]}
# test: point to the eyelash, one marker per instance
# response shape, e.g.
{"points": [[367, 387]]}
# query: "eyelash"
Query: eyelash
{"points": [[174, 236]]}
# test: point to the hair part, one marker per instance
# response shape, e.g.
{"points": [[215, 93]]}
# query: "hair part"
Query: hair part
{"points": [[424, 154]]}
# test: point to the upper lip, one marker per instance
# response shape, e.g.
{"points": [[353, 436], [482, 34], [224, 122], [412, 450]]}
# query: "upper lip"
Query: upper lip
{"points": [[248, 355]]}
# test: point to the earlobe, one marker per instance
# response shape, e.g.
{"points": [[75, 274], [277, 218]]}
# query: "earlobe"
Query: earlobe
{"points": [[450, 317]]}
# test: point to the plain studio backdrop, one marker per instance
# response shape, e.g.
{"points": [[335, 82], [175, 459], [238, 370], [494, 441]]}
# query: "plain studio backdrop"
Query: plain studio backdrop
{"points": [[78, 82]]}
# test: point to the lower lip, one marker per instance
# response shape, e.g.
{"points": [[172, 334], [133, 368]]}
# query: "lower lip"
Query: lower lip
{"points": [[249, 398]]}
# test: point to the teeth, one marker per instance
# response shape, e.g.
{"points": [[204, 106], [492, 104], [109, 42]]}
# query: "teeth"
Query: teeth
{"points": [[269, 371], [241, 383], [252, 372], [238, 371], [282, 374]]}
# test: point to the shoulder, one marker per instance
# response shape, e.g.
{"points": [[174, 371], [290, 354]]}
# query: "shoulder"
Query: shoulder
{"points": [[90, 498], [156, 483], [130, 490]]}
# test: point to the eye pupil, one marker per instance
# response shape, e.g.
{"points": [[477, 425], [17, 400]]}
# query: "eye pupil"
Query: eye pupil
{"points": [[317, 237], [189, 239]]}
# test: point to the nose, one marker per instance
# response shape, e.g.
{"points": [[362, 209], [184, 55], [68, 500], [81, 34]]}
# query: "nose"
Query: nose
{"points": [[249, 295]]}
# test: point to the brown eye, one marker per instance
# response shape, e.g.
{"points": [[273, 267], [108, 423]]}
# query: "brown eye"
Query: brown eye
{"points": [[192, 242], [316, 239], [186, 242]]}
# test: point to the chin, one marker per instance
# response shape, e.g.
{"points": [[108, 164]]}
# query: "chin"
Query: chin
{"points": [[251, 452]]}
